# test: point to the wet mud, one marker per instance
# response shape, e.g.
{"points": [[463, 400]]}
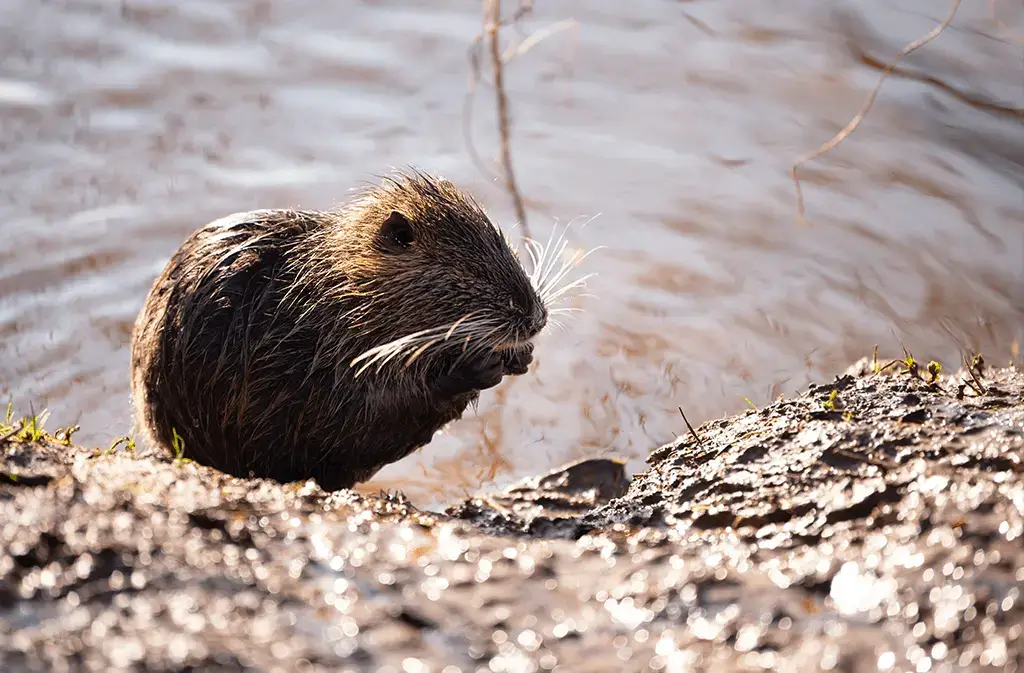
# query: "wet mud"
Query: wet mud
{"points": [[870, 524]]}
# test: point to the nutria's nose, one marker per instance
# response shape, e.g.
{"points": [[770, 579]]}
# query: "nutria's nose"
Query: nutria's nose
{"points": [[538, 318]]}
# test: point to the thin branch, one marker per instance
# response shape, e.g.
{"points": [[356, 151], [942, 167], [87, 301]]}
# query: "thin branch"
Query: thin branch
{"points": [[525, 8], [493, 28], [531, 41], [690, 427], [467, 108], [475, 76], [855, 122]]}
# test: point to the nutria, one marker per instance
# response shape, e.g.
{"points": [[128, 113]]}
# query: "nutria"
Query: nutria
{"points": [[292, 344]]}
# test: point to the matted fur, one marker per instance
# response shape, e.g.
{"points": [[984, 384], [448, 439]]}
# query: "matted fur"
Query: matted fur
{"points": [[247, 341]]}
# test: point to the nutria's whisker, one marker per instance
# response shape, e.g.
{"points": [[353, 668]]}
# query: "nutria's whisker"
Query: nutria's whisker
{"points": [[536, 251], [483, 344], [384, 353], [436, 341], [550, 298], [431, 341], [549, 257], [394, 347], [549, 267], [456, 324], [540, 254], [571, 317], [556, 255], [421, 350], [556, 323], [554, 279], [406, 339], [577, 259]]}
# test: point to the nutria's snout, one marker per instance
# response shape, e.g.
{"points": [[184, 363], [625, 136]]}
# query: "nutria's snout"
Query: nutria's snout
{"points": [[529, 317], [538, 320]]}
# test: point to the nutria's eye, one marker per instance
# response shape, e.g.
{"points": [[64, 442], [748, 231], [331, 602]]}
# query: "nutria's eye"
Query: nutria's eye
{"points": [[397, 233]]}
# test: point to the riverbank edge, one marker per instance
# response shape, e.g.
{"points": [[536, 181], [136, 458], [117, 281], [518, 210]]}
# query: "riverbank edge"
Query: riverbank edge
{"points": [[784, 521]]}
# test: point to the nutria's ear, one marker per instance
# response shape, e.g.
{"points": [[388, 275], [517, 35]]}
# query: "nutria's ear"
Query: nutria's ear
{"points": [[396, 232]]}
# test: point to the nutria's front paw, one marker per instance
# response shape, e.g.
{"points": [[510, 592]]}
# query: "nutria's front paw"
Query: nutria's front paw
{"points": [[480, 373], [517, 360]]}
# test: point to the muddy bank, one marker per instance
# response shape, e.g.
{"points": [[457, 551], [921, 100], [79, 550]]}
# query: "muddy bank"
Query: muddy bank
{"points": [[873, 523]]}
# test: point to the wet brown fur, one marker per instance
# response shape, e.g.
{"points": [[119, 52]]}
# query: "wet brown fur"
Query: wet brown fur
{"points": [[244, 347]]}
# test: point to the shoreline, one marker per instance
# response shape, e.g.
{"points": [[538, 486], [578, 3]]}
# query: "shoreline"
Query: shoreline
{"points": [[867, 524]]}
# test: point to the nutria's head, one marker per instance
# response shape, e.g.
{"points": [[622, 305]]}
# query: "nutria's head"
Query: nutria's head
{"points": [[422, 258]]}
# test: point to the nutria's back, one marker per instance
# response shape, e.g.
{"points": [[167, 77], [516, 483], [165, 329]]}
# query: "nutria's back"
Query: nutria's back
{"points": [[295, 344]]}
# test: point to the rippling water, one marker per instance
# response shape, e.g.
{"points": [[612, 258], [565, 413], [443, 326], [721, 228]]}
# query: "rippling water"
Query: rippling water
{"points": [[125, 125]]}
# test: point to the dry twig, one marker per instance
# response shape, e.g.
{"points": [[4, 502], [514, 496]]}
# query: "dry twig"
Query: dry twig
{"points": [[531, 41], [690, 427], [855, 122], [493, 31], [492, 24]]}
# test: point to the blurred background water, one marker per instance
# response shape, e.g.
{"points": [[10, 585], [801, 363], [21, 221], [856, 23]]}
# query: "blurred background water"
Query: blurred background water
{"points": [[125, 125]]}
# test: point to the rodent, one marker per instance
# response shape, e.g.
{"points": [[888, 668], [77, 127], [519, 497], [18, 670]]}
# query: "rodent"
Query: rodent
{"points": [[246, 354]]}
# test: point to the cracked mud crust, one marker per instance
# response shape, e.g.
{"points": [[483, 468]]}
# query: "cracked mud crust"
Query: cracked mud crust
{"points": [[874, 523]]}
